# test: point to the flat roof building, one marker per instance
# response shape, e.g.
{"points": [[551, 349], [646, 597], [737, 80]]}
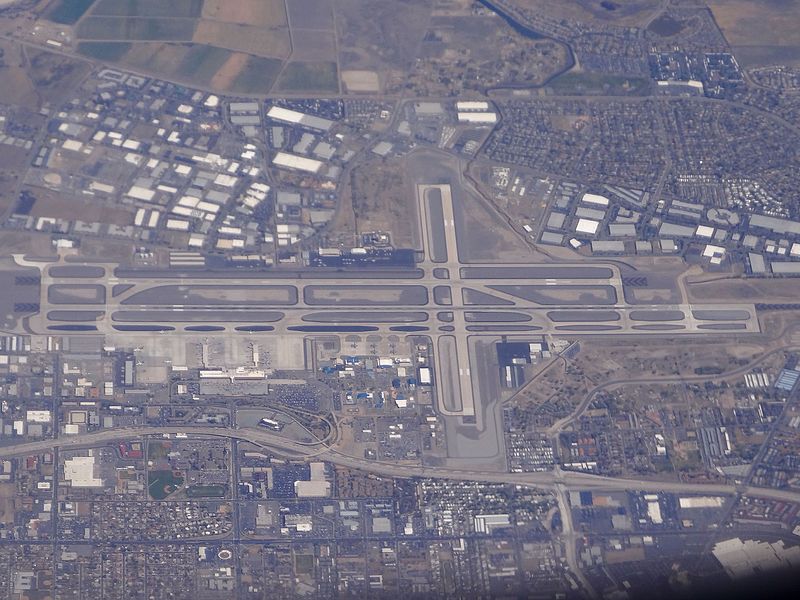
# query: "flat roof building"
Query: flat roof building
{"points": [[294, 117], [301, 163], [587, 226]]}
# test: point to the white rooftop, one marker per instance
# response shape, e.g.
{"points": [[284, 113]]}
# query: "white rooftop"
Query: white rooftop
{"points": [[587, 226]]}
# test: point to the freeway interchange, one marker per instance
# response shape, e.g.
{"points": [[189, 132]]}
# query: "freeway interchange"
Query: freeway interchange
{"points": [[550, 480]]}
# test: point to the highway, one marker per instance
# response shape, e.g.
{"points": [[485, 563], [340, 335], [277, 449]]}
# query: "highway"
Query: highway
{"points": [[551, 480]]}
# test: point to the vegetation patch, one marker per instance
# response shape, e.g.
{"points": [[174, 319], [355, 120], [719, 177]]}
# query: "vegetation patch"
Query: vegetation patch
{"points": [[666, 26], [68, 12], [149, 8], [257, 75], [206, 491], [135, 28], [202, 62], [310, 76], [109, 51], [161, 484]]}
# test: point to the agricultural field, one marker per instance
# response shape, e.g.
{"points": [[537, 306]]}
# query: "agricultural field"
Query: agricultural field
{"points": [[244, 38], [235, 47], [254, 75], [135, 28], [149, 8], [68, 12], [258, 13], [309, 77], [760, 31], [105, 51]]}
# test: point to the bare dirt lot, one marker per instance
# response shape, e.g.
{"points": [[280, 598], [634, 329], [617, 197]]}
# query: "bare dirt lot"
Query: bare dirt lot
{"points": [[361, 81], [379, 200], [479, 52], [750, 290], [29, 77], [62, 206], [380, 34]]}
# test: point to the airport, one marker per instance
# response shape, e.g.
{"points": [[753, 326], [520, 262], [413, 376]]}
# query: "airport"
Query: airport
{"points": [[462, 307]]}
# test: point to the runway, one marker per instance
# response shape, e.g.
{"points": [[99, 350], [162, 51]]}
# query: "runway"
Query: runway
{"points": [[444, 298]]}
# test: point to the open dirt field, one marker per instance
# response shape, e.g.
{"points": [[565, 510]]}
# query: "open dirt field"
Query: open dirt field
{"points": [[758, 22], [244, 38], [258, 13], [62, 206], [29, 76], [381, 200], [312, 44], [311, 14], [54, 75], [750, 290], [762, 32], [380, 34], [16, 87]]}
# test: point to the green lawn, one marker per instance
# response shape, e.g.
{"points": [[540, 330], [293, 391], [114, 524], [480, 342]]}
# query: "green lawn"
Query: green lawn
{"points": [[206, 491], [161, 484]]}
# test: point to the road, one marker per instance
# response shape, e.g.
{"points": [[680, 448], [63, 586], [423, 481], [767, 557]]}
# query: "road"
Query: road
{"points": [[545, 480], [570, 541]]}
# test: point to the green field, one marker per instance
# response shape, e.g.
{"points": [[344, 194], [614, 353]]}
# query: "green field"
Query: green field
{"points": [[161, 484], [666, 26], [110, 51], [135, 28], [309, 76], [68, 12], [257, 76], [574, 82], [304, 563], [202, 62], [206, 491], [149, 8]]}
